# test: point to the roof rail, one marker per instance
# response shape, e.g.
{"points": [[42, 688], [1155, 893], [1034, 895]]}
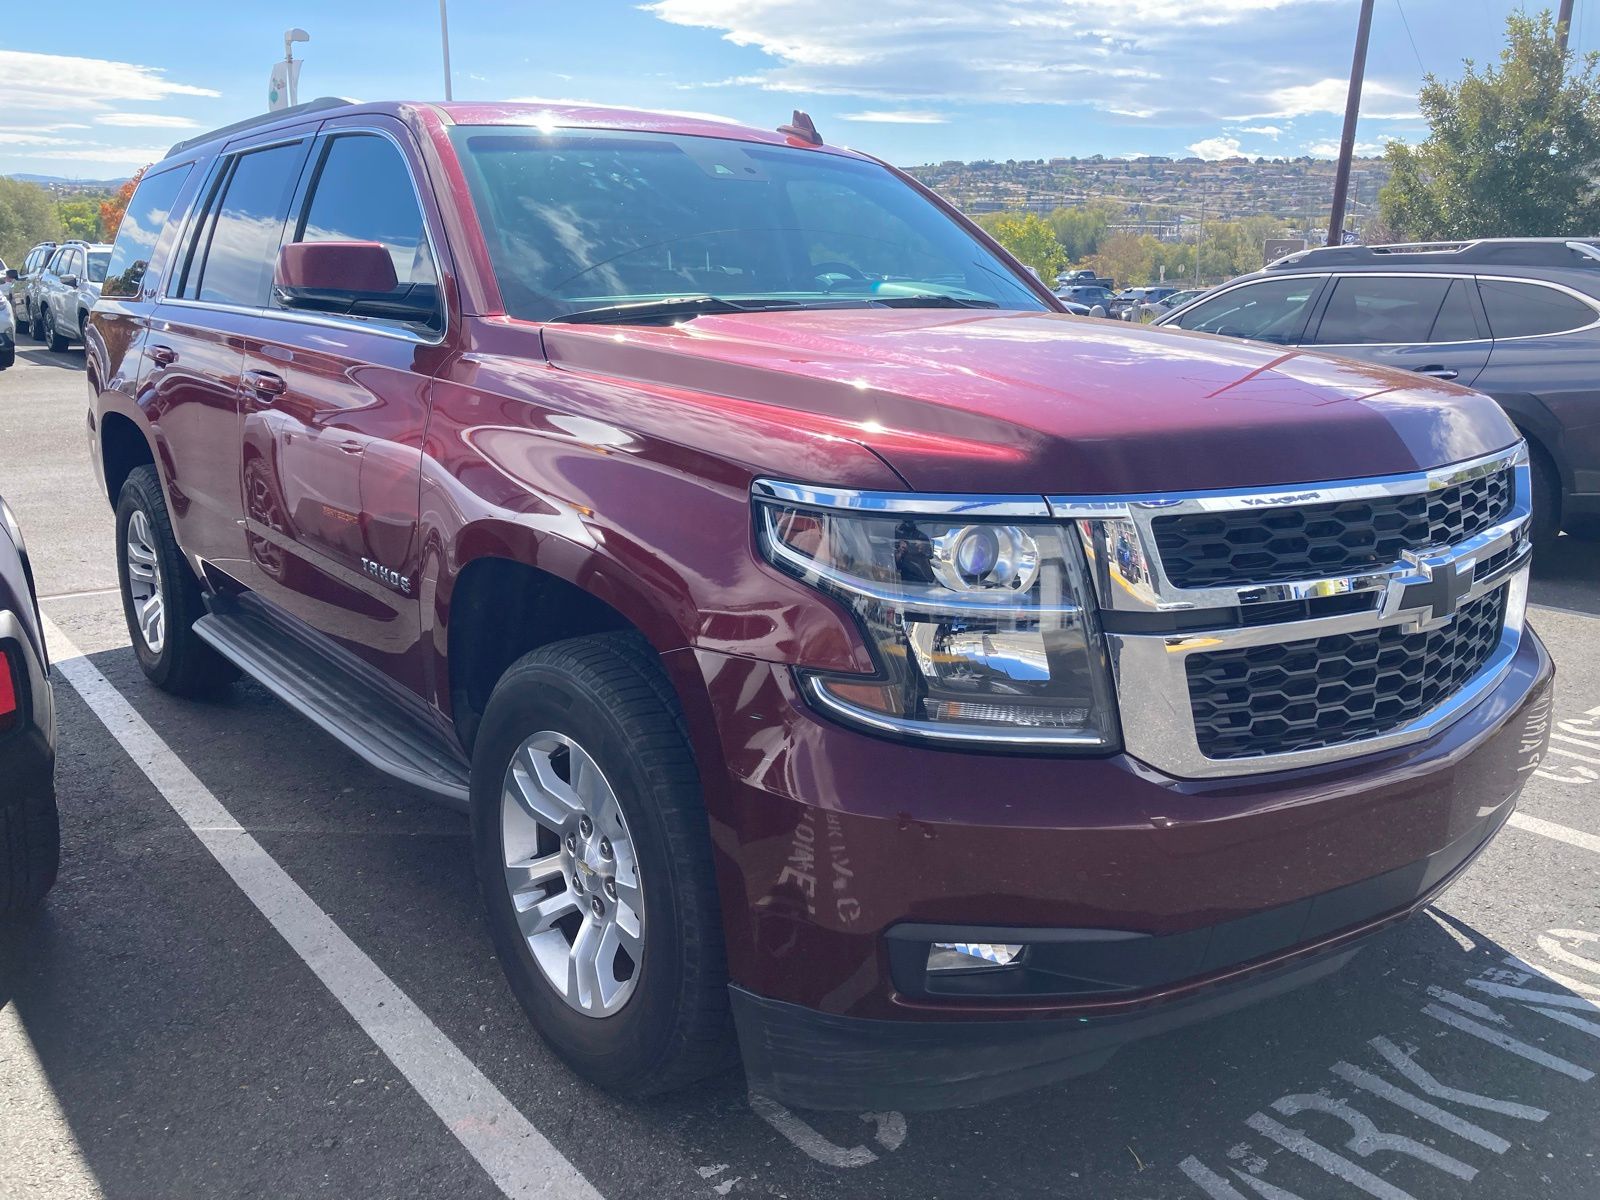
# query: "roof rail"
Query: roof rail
{"points": [[1512, 252], [320, 104]]}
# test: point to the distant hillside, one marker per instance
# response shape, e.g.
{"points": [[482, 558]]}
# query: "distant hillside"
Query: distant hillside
{"points": [[1159, 192], [102, 185]]}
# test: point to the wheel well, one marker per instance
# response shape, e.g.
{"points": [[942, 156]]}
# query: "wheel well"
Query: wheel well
{"points": [[500, 610], [122, 448]]}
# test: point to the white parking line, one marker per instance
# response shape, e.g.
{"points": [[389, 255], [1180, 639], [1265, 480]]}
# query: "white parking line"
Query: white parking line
{"points": [[1561, 833], [519, 1159]]}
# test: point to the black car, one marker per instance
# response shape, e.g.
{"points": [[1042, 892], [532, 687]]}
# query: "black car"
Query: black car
{"points": [[30, 829], [1517, 318], [1096, 297]]}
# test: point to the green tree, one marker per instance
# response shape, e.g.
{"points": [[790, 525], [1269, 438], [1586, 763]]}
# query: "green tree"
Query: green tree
{"points": [[1030, 239], [81, 219], [27, 215], [1511, 151], [1080, 230]]}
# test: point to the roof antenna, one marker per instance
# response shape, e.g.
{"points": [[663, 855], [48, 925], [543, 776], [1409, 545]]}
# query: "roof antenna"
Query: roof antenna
{"points": [[801, 129]]}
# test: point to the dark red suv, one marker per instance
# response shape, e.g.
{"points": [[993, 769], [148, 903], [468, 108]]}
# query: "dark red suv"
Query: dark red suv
{"points": [[833, 642]]}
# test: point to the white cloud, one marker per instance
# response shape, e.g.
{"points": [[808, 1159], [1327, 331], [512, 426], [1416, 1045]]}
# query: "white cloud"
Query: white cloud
{"points": [[16, 137], [111, 156], [1271, 131], [897, 117], [1214, 148], [1379, 101], [61, 83], [1120, 57], [1330, 148], [124, 120]]}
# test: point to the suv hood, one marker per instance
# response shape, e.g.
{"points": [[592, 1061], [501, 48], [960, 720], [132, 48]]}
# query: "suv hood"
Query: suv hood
{"points": [[1045, 403]]}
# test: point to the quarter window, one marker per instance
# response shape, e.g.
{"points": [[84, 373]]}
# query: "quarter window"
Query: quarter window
{"points": [[363, 193], [1529, 309], [1375, 310], [236, 248], [1273, 310], [148, 213]]}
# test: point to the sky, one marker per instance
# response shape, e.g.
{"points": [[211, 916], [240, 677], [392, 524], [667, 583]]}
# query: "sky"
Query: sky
{"points": [[913, 81]]}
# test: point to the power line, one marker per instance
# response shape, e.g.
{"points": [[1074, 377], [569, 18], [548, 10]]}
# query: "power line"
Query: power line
{"points": [[1407, 26]]}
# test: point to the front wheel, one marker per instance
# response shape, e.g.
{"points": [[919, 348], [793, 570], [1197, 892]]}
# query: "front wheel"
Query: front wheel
{"points": [[52, 335], [594, 858], [1545, 524]]}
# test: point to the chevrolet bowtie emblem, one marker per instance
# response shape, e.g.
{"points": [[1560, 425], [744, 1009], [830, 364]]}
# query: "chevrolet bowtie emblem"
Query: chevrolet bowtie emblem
{"points": [[1443, 585]]}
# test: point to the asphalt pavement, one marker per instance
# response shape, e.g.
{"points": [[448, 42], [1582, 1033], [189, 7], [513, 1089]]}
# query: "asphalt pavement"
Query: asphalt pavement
{"points": [[185, 1019]]}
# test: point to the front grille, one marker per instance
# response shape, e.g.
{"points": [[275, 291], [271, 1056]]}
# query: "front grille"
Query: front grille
{"points": [[1336, 689], [1272, 545]]}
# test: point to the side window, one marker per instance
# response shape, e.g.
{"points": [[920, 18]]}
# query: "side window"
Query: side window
{"points": [[58, 264], [1374, 310], [1456, 321], [362, 192], [148, 213], [74, 264], [1273, 310], [236, 247], [1528, 309]]}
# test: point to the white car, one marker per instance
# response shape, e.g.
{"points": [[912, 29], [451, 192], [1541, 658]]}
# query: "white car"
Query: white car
{"points": [[8, 333], [67, 290]]}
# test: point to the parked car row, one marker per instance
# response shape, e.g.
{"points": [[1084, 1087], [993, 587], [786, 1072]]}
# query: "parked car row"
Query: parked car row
{"points": [[1516, 318], [54, 289]]}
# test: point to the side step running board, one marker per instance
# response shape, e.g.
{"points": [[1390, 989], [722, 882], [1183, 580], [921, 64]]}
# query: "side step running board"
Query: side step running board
{"points": [[382, 730]]}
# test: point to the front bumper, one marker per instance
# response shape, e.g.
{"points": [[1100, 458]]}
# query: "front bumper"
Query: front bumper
{"points": [[1164, 900]]}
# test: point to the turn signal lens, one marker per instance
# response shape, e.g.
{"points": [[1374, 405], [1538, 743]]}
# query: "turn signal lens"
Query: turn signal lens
{"points": [[969, 956], [10, 704]]}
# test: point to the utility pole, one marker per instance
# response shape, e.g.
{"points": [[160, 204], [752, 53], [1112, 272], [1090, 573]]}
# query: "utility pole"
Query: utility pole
{"points": [[1352, 111], [1563, 26], [444, 42]]}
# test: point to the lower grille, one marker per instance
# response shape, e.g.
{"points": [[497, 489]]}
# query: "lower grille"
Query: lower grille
{"points": [[1341, 688]]}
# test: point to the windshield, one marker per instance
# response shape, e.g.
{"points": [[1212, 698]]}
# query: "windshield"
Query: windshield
{"points": [[584, 220], [97, 265]]}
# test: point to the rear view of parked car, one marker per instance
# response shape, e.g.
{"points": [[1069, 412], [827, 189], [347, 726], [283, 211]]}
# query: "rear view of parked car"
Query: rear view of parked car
{"points": [[30, 831], [1518, 318]]}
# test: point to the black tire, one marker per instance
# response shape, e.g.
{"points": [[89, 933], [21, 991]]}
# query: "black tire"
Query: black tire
{"points": [[1546, 486], [8, 356], [52, 335], [184, 665], [609, 694], [36, 326], [30, 850]]}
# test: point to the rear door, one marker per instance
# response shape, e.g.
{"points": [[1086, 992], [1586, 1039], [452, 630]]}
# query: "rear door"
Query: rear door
{"points": [[1427, 323], [194, 352], [335, 408]]}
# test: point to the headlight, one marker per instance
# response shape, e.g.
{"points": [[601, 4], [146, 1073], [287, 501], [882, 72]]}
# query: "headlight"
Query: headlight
{"points": [[979, 627]]}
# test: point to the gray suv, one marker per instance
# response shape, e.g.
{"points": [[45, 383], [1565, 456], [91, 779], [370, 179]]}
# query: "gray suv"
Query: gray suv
{"points": [[1517, 318]]}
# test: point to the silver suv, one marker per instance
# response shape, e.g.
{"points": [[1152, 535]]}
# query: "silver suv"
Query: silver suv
{"points": [[66, 290]]}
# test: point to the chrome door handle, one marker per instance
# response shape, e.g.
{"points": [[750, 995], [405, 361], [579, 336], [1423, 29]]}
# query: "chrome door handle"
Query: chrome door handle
{"points": [[1438, 372], [265, 384], [163, 356]]}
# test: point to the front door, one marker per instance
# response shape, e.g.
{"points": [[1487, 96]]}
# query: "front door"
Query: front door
{"points": [[335, 408], [1428, 324]]}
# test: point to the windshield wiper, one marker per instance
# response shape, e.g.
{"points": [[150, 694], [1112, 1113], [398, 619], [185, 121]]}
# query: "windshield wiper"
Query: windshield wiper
{"points": [[651, 312], [934, 300]]}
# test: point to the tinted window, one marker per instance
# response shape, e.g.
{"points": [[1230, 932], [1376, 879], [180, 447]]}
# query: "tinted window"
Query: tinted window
{"points": [[1271, 311], [97, 265], [584, 220], [148, 213], [58, 263], [363, 193], [74, 263], [1373, 310], [1524, 309], [1456, 321], [239, 247]]}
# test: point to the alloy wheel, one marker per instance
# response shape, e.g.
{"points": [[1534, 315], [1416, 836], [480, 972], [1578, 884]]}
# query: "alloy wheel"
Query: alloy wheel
{"points": [[144, 583], [572, 874]]}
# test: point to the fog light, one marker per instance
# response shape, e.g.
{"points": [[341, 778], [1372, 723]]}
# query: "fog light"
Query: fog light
{"points": [[967, 956]]}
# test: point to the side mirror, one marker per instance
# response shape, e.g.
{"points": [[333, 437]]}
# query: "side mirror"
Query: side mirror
{"points": [[11, 275], [350, 278], [69, 281]]}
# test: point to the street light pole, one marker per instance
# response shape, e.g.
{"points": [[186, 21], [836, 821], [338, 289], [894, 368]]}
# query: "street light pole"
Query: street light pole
{"points": [[1352, 111], [444, 41], [1563, 25]]}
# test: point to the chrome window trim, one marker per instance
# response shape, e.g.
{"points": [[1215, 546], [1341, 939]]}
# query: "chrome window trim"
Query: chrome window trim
{"points": [[1151, 674], [910, 503], [1544, 283]]}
